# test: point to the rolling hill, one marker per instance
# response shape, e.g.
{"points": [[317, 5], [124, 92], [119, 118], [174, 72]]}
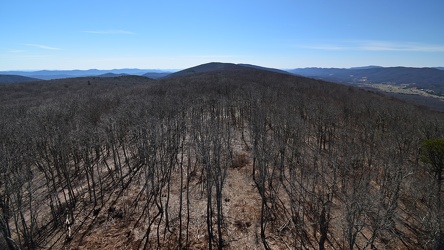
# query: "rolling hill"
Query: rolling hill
{"points": [[221, 67], [16, 78]]}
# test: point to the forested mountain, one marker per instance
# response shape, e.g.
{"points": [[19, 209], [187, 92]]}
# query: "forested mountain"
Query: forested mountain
{"points": [[230, 158], [218, 67], [16, 78], [156, 75], [204, 68]]}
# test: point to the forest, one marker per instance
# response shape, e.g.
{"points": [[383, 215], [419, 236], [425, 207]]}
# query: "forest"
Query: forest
{"points": [[239, 158]]}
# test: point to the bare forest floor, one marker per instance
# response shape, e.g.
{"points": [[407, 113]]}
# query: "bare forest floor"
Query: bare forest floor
{"points": [[119, 222], [104, 230]]}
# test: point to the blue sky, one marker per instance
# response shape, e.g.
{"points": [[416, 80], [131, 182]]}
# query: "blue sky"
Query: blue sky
{"points": [[65, 34]]}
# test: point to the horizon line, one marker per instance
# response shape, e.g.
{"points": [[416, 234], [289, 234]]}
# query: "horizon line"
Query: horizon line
{"points": [[177, 69]]}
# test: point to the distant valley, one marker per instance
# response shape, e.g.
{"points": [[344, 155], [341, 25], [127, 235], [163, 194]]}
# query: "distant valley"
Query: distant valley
{"points": [[423, 86], [430, 80]]}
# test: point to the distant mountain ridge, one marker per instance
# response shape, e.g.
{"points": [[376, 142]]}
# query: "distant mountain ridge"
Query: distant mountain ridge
{"points": [[343, 75], [58, 74], [367, 67], [112, 75]]}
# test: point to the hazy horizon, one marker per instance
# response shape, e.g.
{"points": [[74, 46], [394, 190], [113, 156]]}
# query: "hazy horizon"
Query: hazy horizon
{"points": [[67, 35], [178, 69]]}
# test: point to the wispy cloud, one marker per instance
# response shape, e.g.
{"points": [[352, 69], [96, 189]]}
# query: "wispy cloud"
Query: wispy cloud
{"points": [[323, 46], [400, 46], [374, 45], [42, 46], [109, 32]]}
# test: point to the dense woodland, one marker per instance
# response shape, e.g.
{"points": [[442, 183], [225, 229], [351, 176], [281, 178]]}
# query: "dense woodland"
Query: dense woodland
{"points": [[155, 165]]}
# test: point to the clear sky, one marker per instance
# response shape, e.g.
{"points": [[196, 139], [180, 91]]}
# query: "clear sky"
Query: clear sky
{"points": [[166, 34]]}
